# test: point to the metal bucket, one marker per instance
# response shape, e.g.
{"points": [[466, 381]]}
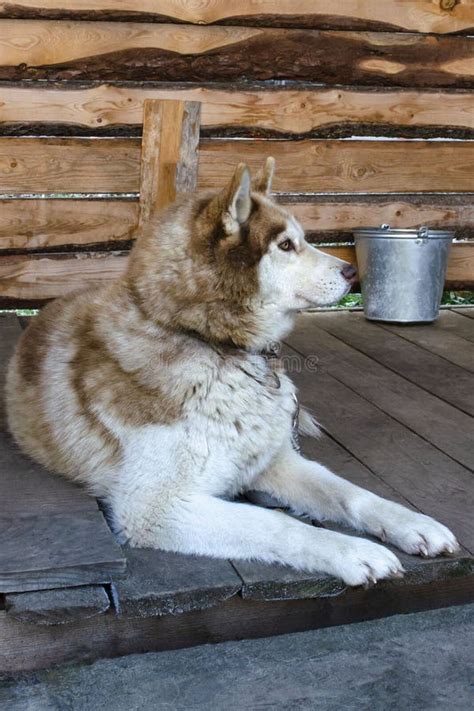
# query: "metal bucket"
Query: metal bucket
{"points": [[402, 272]]}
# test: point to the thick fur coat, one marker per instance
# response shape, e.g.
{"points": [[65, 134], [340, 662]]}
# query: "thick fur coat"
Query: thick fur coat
{"points": [[155, 393]]}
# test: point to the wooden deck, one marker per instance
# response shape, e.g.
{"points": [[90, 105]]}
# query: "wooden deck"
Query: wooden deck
{"points": [[396, 406]]}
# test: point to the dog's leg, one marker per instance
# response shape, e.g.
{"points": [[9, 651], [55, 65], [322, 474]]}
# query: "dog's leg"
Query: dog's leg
{"points": [[205, 525], [310, 488]]}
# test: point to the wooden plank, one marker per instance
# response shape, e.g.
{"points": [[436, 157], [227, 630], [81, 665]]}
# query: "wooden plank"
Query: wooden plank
{"points": [[316, 112], [433, 419], [69, 165], [40, 551], [447, 381], [75, 165], [57, 607], [30, 647], [346, 166], [413, 15], [469, 312], [36, 277], [326, 220], [42, 224], [425, 476], [169, 156], [453, 322], [46, 224], [46, 277], [162, 583], [450, 346], [166, 52]]}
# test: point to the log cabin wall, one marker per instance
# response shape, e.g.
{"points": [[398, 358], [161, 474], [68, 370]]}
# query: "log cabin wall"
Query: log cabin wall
{"points": [[312, 83]]}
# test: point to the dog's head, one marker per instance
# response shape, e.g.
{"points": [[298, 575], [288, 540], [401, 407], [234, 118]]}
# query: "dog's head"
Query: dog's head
{"points": [[233, 266]]}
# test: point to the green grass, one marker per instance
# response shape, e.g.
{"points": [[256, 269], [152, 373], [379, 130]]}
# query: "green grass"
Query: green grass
{"points": [[351, 301], [449, 298]]}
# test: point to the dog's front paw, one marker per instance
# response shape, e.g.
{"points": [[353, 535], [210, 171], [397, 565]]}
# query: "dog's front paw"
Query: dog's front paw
{"points": [[421, 535], [364, 563]]}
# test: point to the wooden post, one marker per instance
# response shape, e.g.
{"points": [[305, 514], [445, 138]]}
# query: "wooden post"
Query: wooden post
{"points": [[169, 157]]}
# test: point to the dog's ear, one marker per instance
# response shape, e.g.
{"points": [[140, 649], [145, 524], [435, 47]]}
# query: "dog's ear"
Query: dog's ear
{"points": [[262, 183], [238, 202]]}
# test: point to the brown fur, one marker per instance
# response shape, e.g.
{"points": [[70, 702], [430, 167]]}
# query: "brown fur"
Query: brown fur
{"points": [[188, 275]]}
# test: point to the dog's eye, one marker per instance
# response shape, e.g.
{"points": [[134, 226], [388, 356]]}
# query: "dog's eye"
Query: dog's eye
{"points": [[287, 245]]}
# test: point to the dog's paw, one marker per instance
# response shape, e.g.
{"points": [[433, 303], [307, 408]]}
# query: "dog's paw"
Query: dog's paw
{"points": [[418, 534], [364, 563]]}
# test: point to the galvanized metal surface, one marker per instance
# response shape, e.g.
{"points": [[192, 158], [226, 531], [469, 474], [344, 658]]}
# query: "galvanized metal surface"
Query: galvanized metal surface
{"points": [[402, 272]]}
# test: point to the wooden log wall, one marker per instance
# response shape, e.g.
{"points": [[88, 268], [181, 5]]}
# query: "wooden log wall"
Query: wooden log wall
{"points": [[312, 83]]}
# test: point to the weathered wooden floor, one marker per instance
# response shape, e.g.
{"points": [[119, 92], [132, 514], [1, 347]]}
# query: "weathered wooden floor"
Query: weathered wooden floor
{"points": [[396, 406]]}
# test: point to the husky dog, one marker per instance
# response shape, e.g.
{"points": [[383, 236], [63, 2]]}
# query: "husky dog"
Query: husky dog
{"points": [[155, 393]]}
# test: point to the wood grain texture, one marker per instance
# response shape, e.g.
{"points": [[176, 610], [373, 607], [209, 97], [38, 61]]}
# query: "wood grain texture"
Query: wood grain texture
{"points": [[33, 278], [428, 370], [346, 166], [437, 421], [77, 165], [334, 220], [43, 224], [162, 583], [427, 477], [69, 165], [451, 346], [40, 552], [453, 322], [110, 224], [108, 51], [29, 647], [318, 112], [169, 153], [57, 607], [414, 15]]}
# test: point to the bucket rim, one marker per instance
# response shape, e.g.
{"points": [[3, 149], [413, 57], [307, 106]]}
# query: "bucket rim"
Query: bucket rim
{"points": [[403, 232]]}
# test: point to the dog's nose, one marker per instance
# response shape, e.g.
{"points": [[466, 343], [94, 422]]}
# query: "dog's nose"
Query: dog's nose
{"points": [[349, 272]]}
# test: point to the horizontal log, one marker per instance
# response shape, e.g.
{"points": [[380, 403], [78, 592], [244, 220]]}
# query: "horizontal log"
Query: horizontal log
{"points": [[60, 224], [43, 224], [346, 166], [69, 165], [414, 15], [111, 51], [312, 113], [34, 278], [77, 165]]}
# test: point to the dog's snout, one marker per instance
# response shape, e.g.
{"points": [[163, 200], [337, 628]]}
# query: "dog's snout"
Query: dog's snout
{"points": [[349, 272]]}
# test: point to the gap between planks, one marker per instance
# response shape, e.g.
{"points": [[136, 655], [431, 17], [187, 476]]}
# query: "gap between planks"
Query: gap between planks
{"points": [[430, 417]]}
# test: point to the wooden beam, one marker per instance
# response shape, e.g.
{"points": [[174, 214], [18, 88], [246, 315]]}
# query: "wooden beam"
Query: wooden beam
{"points": [[169, 154], [165, 52], [110, 224], [411, 15], [76, 165], [34, 278], [268, 112], [29, 647]]}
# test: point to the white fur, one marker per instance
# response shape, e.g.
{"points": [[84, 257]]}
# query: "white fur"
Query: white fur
{"points": [[172, 485], [172, 488]]}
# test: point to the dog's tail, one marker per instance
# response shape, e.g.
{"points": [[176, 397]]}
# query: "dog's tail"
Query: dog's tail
{"points": [[307, 425]]}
